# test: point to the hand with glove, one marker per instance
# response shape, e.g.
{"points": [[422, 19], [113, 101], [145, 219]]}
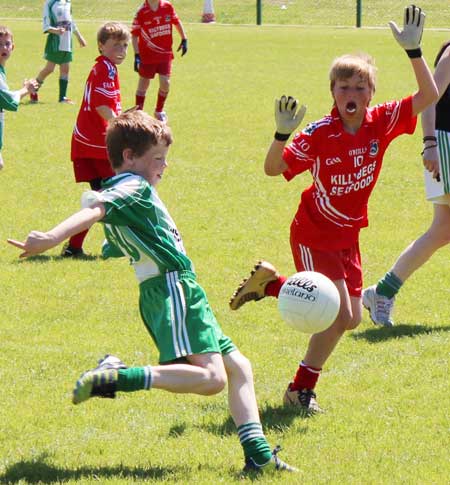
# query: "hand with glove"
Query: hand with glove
{"points": [[287, 118], [183, 47], [137, 62], [409, 38]]}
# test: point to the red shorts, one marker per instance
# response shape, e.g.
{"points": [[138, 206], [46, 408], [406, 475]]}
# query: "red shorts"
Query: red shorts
{"points": [[344, 264], [87, 169], [150, 70]]}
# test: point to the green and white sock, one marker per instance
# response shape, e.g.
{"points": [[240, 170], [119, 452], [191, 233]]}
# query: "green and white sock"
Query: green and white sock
{"points": [[254, 443], [389, 285], [134, 379]]}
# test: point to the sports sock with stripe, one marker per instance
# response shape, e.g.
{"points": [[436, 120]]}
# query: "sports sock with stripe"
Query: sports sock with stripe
{"points": [[254, 443], [306, 377], [134, 379], [389, 285]]}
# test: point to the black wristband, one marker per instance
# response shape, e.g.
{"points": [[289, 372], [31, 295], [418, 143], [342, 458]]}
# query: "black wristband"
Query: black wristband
{"points": [[281, 136], [414, 53], [429, 138]]}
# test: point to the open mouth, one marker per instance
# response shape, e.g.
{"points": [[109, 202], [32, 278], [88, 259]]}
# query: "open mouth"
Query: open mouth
{"points": [[351, 107]]}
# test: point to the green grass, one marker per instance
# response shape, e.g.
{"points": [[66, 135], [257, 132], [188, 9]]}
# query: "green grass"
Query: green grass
{"points": [[385, 392], [298, 12]]}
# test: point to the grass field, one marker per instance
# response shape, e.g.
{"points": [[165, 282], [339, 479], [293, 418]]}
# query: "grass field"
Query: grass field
{"points": [[386, 392], [280, 12]]}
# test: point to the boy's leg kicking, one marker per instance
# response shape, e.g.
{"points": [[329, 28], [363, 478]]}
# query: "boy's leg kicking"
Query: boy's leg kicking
{"points": [[190, 327]]}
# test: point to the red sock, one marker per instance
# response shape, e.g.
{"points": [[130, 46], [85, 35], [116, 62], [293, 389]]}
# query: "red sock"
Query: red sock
{"points": [[140, 100], [273, 288], [162, 96], [306, 377], [76, 241]]}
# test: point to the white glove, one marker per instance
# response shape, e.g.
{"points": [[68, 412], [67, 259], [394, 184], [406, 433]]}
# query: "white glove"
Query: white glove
{"points": [[409, 38], [287, 118]]}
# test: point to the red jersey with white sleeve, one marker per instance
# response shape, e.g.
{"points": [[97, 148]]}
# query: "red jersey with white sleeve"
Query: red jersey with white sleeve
{"points": [[154, 31], [345, 169], [102, 89]]}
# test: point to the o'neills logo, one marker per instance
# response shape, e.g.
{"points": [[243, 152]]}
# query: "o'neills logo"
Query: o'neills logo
{"points": [[301, 288], [304, 283]]}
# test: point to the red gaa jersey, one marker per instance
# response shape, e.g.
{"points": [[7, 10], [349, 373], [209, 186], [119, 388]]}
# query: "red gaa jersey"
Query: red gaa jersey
{"points": [[345, 169], [102, 89], [154, 32]]}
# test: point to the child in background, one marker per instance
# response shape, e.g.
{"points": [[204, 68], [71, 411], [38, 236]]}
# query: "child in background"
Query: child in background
{"points": [[195, 356], [58, 25], [9, 100], [101, 102], [379, 299], [152, 44], [344, 153]]}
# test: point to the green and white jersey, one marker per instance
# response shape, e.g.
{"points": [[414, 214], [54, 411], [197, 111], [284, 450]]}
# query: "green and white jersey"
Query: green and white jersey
{"points": [[58, 13], [138, 225], [9, 100]]}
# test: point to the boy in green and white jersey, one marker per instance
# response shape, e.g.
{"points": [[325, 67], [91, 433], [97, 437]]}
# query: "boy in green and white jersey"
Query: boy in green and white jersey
{"points": [[9, 100], [195, 356], [57, 22]]}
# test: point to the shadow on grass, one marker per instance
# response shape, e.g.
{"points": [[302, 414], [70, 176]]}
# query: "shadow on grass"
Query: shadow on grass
{"points": [[40, 471], [43, 258], [273, 419], [381, 334]]}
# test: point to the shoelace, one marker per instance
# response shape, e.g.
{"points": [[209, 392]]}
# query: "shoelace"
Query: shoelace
{"points": [[384, 306], [280, 464], [305, 396]]}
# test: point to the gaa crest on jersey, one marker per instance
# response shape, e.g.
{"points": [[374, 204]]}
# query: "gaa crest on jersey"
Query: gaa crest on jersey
{"points": [[111, 71], [373, 148], [167, 18], [310, 128]]}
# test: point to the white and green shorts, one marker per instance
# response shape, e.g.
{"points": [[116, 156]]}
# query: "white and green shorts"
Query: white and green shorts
{"points": [[176, 312], [439, 191]]}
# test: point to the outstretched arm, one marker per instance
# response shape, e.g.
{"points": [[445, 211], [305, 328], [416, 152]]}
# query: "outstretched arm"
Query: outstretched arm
{"points": [[287, 120], [38, 242], [409, 38]]}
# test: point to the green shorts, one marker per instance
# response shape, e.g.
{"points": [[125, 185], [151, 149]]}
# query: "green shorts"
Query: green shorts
{"points": [[59, 57], [52, 52], [177, 315]]}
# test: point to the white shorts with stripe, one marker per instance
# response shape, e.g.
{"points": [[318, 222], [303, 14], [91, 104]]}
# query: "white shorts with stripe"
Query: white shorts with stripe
{"points": [[438, 192]]}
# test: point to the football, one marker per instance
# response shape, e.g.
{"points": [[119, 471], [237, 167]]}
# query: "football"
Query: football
{"points": [[309, 302]]}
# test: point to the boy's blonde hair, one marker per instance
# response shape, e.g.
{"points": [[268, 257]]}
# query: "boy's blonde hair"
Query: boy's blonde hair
{"points": [[346, 66], [113, 30], [137, 131], [6, 31]]}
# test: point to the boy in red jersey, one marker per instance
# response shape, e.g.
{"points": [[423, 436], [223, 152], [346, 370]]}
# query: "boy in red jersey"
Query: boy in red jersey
{"points": [[344, 153], [101, 102], [152, 43]]}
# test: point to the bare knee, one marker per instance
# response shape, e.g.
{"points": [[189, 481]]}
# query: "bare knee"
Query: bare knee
{"points": [[353, 322], [442, 238], [238, 367], [164, 84], [215, 382], [347, 321]]}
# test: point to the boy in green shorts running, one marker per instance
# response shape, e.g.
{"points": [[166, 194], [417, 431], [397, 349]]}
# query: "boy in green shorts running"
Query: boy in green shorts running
{"points": [[195, 356]]}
